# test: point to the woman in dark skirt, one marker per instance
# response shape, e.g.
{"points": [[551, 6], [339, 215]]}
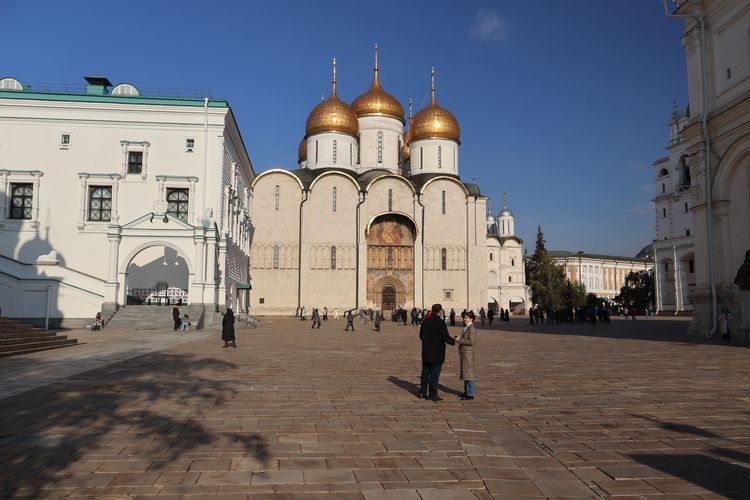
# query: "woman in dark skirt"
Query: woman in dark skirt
{"points": [[176, 318], [227, 329]]}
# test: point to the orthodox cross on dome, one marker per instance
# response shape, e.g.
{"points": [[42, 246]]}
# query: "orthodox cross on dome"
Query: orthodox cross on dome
{"points": [[410, 104], [505, 201], [334, 76], [376, 56], [432, 83]]}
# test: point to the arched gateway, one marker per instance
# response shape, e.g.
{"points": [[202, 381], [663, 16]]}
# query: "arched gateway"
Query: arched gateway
{"points": [[390, 261]]}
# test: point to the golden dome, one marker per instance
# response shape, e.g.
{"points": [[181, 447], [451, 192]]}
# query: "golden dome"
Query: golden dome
{"points": [[302, 151], [434, 122], [332, 115], [377, 101]]}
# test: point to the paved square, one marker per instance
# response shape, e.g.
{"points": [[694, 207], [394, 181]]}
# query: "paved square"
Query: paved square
{"points": [[631, 409]]}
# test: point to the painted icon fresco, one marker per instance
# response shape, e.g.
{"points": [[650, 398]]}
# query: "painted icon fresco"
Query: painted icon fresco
{"points": [[391, 230]]}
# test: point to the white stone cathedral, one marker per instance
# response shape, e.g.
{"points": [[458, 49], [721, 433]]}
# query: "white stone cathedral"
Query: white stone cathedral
{"points": [[377, 216]]}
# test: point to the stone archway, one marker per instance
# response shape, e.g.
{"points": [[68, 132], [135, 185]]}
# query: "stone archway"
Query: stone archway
{"points": [[517, 305], [157, 274], [390, 259], [389, 292]]}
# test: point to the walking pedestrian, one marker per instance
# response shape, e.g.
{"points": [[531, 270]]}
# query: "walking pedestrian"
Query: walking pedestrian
{"points": [[725, 324], [466, 356], [490, 316], [325, 313], [453, 317], [315, 318], [335, 313], [434, 335], [376, 321], [349, 321], [227, 329], [482, 315], [176, 318]]}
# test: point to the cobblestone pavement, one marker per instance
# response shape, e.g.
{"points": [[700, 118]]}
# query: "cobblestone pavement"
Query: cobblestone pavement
{"points": [[627, 409]]}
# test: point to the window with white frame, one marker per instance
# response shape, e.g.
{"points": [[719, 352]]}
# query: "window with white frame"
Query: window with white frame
{"points": [[440, 157], [443, 201], [99, 204], [380, 147], [177, 203], [135, 158], [21, 201], [276, 256], [333, 257], [334, 199], [65, 139], [334, 150], [189, 145], [390, 200], [276, 198]]}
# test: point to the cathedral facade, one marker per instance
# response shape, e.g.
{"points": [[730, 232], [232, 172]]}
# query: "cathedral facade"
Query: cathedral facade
{"points": [[376, 216]]}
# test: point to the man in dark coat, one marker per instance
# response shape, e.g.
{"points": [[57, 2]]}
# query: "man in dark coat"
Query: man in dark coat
{"points": [[227, 329], [434, 335]]}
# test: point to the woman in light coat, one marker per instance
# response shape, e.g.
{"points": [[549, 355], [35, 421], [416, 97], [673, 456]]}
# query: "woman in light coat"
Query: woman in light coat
{"points": [[466, 355]]}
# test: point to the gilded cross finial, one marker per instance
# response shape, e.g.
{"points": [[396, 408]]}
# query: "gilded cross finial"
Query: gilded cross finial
{"points": [[376, 57], [334, 75], [505, 201], [410, 104], [432, 85]]}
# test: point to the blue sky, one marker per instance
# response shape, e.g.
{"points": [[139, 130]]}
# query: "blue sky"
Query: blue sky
{"points": [[564, 105]]}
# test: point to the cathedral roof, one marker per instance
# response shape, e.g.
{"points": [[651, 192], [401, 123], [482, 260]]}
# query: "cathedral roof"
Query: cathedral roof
{"points": [[434, 121], [332, 115], [377, 101], [307, 176]]}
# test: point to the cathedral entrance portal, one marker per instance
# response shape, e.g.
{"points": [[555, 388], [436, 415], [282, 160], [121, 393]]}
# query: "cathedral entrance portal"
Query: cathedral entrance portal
{"points": [[388, 298], [390, 261]]}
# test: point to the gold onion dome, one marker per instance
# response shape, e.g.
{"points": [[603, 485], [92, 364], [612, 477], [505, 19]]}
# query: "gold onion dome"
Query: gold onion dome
{"points": [[377, 101], [332, 115], [434, 122], [302, 151], [407, 137]]}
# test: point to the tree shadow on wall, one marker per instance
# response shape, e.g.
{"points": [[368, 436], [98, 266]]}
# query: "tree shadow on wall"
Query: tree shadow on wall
{"points": [[150, 405]]}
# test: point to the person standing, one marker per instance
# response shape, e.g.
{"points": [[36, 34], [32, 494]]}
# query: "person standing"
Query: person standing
{"points": [[176, 318], [227, 329], [325, 313], [302, 314], [376, 321], [490, 316], [725, 324], [453, 317], [466, 356], [349, 321], [335, 313], [482, 315], [315, 318], [434, 335]]}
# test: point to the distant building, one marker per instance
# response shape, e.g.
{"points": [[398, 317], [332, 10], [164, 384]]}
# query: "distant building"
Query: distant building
{"points": [[507, 272], [602, 275], [674, 259], [718, 157]]}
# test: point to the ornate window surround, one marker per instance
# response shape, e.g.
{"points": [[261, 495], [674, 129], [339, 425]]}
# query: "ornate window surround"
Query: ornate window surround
{"points": [[127, 147], [93, 179], [178, 182], [8, 177]]}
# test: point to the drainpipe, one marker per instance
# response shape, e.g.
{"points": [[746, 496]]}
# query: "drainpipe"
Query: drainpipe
{"points": [[421, 237], [299, 256], [46, 314], [205, 155], [356, 273], [706, 162]]}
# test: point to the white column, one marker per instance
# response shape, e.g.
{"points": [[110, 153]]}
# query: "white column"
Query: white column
{"points": [[191, 200], [222, 270], [115, 197], [209, 294], [112, 285], [195, 293]]}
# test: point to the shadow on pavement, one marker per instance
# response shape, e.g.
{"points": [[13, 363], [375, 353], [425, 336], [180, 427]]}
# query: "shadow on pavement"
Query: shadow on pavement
{"points": [[145, 402], [712, 474], [413, 388]]}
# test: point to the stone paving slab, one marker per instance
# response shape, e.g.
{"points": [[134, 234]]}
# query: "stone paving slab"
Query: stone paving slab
{"points": [[622, 410]]}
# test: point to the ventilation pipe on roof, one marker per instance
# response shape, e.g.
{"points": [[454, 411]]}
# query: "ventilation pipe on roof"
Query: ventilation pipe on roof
{"points": [[97, 85], [706, 162]]}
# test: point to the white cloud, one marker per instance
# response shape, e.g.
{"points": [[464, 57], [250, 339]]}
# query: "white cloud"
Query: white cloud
{"points": [[488, 26]]}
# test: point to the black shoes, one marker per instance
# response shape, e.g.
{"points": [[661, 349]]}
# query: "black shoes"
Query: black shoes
{"points": [[463, 394], [435, 398], [422, 396], [466, 397]]}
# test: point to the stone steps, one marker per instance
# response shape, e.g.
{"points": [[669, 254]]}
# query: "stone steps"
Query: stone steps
{"points": [[20, 338], [143, 318]]}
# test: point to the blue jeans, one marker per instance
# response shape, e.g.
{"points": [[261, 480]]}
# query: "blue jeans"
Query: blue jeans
{"points": [[431, 377], [470, 387]]}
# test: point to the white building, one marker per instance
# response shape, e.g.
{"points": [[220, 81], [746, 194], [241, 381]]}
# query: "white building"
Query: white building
{"points": [[717, 139], [506, 277], [602, 275], [376, 216], [109, 197], [674, 258]]}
